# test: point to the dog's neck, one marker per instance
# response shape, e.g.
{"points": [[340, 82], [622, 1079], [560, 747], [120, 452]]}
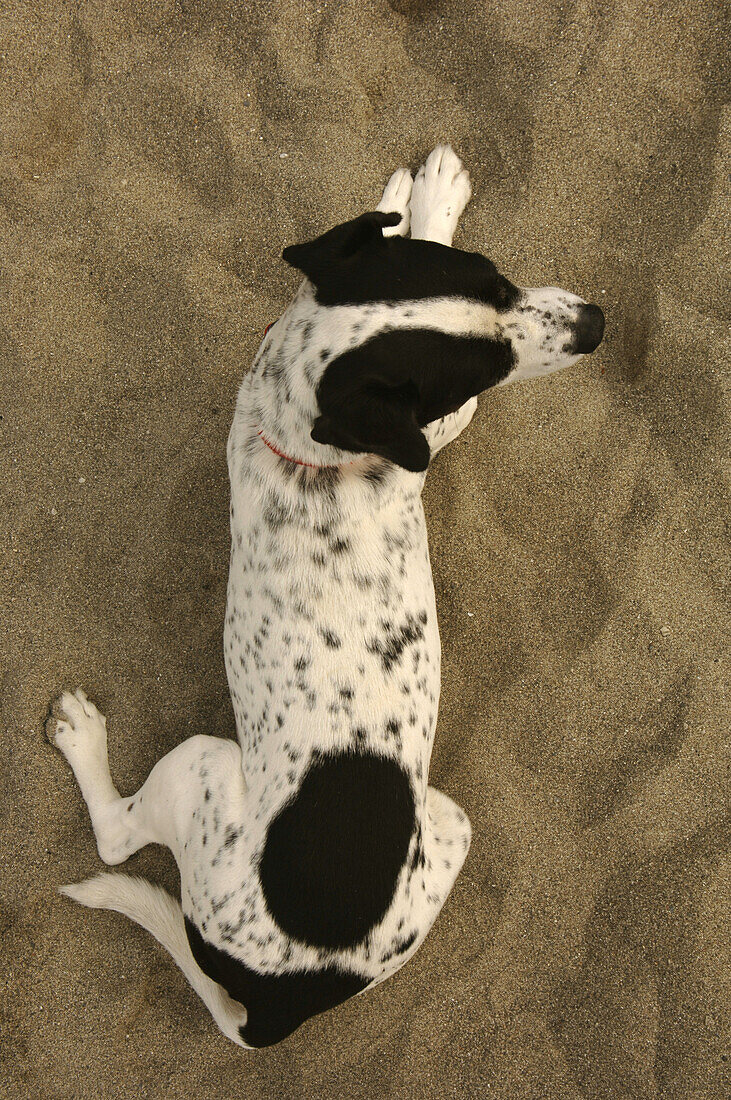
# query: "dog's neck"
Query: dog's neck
{"points": [[270, 446]]}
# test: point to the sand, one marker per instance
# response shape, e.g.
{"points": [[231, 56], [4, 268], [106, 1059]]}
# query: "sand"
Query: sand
{"points": [[154, 161]]}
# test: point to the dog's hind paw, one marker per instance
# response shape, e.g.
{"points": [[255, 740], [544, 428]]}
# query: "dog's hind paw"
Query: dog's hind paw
{"points": [[76, 727]]}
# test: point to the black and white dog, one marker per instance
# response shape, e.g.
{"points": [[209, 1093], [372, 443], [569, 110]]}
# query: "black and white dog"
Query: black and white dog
{"points": [[313, 855]]}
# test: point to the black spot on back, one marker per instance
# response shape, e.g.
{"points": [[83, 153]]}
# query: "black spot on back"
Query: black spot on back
{"points": [[333, 854], [276, 1004]]}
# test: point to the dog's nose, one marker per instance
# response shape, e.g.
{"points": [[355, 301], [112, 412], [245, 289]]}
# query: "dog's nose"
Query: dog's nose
{"points": [[588, 330]]}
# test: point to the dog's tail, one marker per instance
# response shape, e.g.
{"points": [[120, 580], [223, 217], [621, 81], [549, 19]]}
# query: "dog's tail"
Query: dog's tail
{"points": [[161, 915]]}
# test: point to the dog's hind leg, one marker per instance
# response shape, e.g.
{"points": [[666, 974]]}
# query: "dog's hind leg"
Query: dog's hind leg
{"points": [[79, 731], [161, 811], [440, 193]]}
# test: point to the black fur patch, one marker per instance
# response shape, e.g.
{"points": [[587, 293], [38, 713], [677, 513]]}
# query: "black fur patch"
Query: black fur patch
{"points": [[354, 263], [377, 397], [333, 854], [391, 644], [276, 1004]]}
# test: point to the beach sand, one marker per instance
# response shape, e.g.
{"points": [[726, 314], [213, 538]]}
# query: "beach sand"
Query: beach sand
{"points": [[154, 161]]}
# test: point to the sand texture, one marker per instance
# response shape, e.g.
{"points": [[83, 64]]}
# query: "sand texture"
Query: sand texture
{"points": [[155, 158]]}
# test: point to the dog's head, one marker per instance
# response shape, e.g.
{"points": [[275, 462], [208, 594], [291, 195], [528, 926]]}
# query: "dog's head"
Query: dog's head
{"points": [[453, 326]]}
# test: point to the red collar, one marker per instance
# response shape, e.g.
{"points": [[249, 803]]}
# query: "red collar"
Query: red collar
{"points": [[297, 461]]}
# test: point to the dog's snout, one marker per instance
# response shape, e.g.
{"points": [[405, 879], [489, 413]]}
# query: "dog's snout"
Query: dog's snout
{"points": [[588, 329]]}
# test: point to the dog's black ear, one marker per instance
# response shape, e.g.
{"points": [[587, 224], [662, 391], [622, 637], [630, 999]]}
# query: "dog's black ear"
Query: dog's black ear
{"points": [[369, 404], [384, 430], [377, 396], [318, 258]]}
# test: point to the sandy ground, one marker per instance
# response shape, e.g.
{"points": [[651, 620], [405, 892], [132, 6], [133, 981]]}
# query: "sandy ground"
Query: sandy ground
{"points": [[154, 160]]}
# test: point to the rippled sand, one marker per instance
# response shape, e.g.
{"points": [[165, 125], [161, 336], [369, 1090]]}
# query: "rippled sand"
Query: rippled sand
{"points": [[154, 160]]}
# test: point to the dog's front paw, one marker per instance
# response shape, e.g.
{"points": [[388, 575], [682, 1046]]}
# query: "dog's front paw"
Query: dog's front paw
{"points": [[443, 431], [396, 196], [77, 728], [440, 193]]}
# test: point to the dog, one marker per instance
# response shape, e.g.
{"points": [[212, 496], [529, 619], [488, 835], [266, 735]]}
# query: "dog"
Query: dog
{"points": [[313, 855]]}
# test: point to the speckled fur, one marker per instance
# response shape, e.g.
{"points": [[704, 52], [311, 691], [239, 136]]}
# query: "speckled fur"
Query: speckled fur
{"points": [[331, 641]]}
